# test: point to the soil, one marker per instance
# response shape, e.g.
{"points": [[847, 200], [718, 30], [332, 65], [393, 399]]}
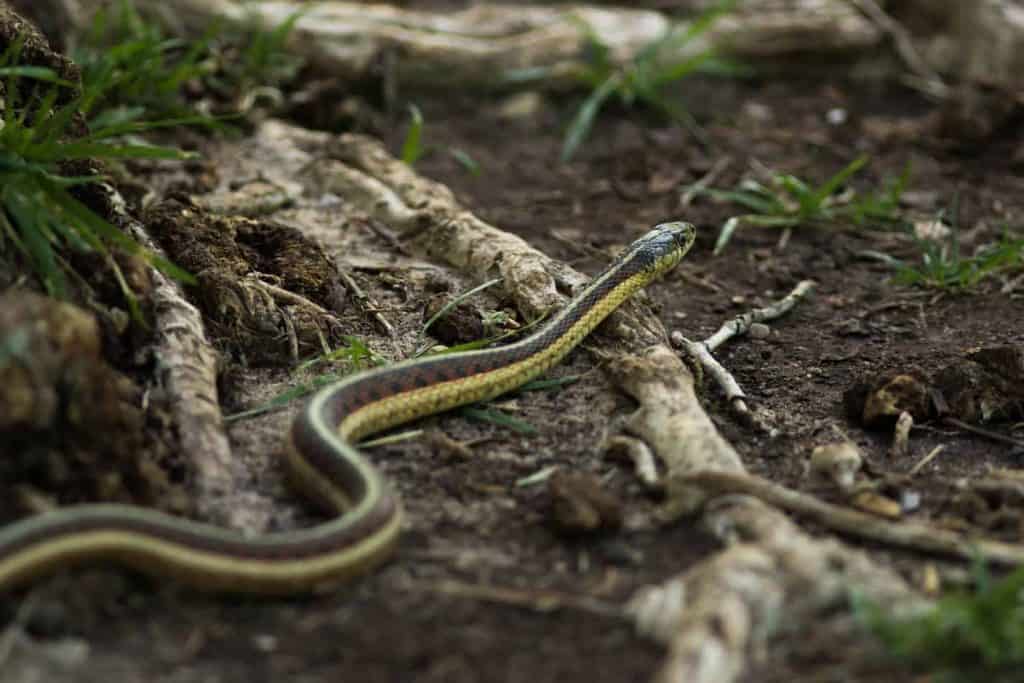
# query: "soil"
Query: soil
{"points": [[424, 616]]}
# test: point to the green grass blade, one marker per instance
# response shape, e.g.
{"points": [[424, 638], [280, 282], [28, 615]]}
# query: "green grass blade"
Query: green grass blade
{"points": [[718, 66], [531, 74], [498, 417], [772, 221], [548, 384], [101, 150], [468, 162], [795, 187], [412, 148], [705, 21], [725, 234], [85, 221], [38, 73], [35, 238], [596, 53], [817, 198], [681, 69], [286, 397], [117, 116], [581, 124], [762, 204], [268, 44], [130, 127], [170, 269], [455, 302]]}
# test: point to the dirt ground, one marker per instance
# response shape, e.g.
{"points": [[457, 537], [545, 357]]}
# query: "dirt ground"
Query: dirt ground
{"points": [[473, 526]]}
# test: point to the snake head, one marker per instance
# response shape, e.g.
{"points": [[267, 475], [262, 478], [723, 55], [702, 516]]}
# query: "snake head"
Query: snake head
{"points": [[662, 247]]}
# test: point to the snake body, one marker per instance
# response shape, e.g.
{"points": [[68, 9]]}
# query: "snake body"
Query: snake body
{"points": [[324, 464]]}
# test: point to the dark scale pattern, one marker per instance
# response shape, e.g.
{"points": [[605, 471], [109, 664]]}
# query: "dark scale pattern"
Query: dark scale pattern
{"points": [[394, 380]]}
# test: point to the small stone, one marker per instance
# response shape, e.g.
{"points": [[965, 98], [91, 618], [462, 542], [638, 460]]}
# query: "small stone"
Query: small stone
{"points": [[581, 505], [836, 116], [524, 105], [758, 112], [838, 462], [910, 500], [760, 331], [265, 642]]}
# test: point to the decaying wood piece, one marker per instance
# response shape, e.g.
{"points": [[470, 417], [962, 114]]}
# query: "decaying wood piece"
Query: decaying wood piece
{"points": [[715, 616], [472, 48], [976, 42], [188, 373], [671, 419], [921, 73], [477, 46], [766, 29], [979, 42]]}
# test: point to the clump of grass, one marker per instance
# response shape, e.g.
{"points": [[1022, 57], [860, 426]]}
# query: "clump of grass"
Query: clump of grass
{"points": [[39, 215], [967, 636], [150, 74], [788, 202], [353, 356], [645, 77], [133, 80], [143, 70], [265, 59], [942, 264]]}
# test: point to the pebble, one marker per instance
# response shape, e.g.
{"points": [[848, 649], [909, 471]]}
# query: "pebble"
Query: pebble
{"points": [[760, 331]]}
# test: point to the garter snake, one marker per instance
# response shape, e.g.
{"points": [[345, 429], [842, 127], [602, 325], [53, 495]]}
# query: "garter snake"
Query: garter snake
{"points": [[325, 465]]}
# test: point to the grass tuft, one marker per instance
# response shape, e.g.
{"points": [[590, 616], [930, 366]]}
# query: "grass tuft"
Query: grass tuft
{"points": [[146, 73], [788, 202], [134, 79], [354, 356], [645, 77], [975, 636], [39, 215], [942, 264]]}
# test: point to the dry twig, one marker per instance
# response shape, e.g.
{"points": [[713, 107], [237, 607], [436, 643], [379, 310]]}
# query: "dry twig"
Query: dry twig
{"points": [[702, 351], [925, 460], [364, 301]]}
